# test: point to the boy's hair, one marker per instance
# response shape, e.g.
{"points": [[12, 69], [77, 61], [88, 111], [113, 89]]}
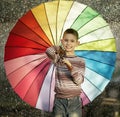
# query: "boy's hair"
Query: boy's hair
{"points": [[71, 31]]}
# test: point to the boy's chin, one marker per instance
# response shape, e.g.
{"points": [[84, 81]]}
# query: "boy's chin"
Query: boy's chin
{"points": [[69, 50]]}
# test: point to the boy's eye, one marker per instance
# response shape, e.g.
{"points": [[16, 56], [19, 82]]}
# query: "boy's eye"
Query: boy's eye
{"points": [[66, 40], [72, 40]]}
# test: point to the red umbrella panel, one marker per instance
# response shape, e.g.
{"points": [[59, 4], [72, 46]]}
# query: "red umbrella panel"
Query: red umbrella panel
{"points": [[29, 70]]}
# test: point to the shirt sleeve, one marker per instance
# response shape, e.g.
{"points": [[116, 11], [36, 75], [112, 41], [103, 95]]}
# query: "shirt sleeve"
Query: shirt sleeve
{"points": [[52, 53], [78, 73]]}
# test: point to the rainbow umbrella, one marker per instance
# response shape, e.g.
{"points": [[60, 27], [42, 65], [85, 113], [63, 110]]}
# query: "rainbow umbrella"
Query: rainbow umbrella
{"points": [[29, 70]]}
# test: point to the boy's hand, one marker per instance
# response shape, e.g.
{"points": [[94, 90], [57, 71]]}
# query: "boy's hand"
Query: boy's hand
{"points": [[60, 51], [68, 64]]}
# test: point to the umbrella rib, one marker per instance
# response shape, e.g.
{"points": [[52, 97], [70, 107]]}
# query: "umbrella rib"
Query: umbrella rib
{"points": [[50, 86], [78, 16], [67, 16], [93, 84], [23, 47], [49, 25], [28, 72], [26, 64], [85, 95], [35, 32], [25, 76], [42, 31], [97, 60], [102, 62], [95, 71], [86, 22], [27, 38], [96, 41], [57, 19], [36, 77], [93, 30]]}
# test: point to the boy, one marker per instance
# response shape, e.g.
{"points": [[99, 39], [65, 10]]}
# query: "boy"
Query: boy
{"points": [[68, 77]]}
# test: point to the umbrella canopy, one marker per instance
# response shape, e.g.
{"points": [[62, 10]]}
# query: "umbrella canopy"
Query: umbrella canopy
{"points": [[29, 70]]}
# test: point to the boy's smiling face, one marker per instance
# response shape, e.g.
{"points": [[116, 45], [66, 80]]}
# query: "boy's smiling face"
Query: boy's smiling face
{"points": [[69, 43]]}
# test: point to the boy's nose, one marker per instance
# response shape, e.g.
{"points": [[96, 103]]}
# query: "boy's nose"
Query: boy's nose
{"points": [[68, 42]]}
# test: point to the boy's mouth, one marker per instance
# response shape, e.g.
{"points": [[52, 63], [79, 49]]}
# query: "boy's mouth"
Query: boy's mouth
{"points": [[68, 47]]}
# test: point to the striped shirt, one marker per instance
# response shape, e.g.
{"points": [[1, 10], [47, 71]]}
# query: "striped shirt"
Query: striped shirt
{"points": [[67, 82]]}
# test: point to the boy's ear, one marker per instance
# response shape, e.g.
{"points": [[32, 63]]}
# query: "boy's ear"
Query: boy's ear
{"points": [[61, 40], [78, 43]]}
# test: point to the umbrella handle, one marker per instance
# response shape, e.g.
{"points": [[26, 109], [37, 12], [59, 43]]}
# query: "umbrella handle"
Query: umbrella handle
{"points": [[62, 53], [69, 67], [68, 64]]}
